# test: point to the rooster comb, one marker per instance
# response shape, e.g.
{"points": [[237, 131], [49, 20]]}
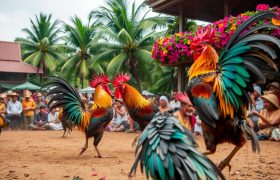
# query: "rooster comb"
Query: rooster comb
{"points": [[182, 97], [98, 79], [121, 78], [204, 35]]}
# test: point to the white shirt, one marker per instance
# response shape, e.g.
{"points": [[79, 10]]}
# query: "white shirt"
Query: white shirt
{"points": [[14, 108], [175, 104], [120, 118], [52, 118]]}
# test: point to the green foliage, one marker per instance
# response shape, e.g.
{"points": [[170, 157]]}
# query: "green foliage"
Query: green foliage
{"points": [[40, 47], [126, 38]]}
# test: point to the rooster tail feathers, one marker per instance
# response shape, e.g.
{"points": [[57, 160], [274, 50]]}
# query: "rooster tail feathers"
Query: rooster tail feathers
{"points": [[168, 151], [246, 25], [62, 95], [254, 140]]}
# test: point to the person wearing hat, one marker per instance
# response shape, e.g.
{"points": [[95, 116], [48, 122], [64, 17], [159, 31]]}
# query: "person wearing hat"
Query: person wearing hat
{"points": [[257, 105], [40, 120], [269, 117], [164, 104], [3, 109], [28, 106], [274, 88], [14, 110], [120, 119], [39, 102]]}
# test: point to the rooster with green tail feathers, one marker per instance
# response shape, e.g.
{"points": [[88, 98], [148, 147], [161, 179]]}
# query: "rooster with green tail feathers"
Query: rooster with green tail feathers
{"points": [[219, 84]]}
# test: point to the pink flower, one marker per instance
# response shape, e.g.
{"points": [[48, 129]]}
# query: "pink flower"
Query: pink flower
{"points": [[262, 7]]}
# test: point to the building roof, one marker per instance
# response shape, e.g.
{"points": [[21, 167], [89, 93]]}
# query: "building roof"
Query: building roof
{"points": [[206, 10], [10, 59]]}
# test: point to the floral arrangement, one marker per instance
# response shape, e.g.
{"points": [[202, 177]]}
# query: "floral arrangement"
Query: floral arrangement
{"points": [[226, 27], [172, 49], [176, 48]]}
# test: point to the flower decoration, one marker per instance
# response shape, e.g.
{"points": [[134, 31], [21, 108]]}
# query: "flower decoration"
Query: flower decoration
{"points": [[176, 48], [172, 49]]}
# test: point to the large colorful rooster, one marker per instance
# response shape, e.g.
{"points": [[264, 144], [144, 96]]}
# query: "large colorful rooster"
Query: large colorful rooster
{"points": [[219, 84], [140, 109], [168, 151], [92, 121]]}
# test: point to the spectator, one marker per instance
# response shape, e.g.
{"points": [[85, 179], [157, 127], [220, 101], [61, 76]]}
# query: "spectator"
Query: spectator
{"points": [[120, 116], [14, 110], [28, 106], [269, 117], [53, 121], [197, 127], [39, 102], [164, 104], [274, 89], [3, 108], [174, 104], [257, 105], [41, 119], [185, 114]]}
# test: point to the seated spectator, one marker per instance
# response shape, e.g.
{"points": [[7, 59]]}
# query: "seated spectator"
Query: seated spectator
{"points": [[274, 89], [197, 127], [257, 105], [185, 114], [269, 117], [164, 104], [3, 108], [41, 119], [53, 121], [275, 134], [14, 110], [120, 116]]}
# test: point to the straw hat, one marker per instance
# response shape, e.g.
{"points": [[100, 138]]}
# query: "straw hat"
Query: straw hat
{"points": [[3, 96], [13, 94], [119, 100], [9, 93], [275, 84], [273, 99]]}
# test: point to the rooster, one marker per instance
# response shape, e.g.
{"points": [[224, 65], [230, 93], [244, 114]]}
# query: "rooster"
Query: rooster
{"points": [[3, 123], [168, 151], [92, 121], [219, 84]]}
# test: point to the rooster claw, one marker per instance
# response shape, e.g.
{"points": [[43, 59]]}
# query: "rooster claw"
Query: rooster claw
{"points": [[98, 156], [82, 151], [224, 164]]}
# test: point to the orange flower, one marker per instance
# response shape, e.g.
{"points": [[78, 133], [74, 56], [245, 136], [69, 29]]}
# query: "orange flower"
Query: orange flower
{"points": [[220, 25], [276, 22], [189, 42], [160, 41], [233, 27], [164, 51]]}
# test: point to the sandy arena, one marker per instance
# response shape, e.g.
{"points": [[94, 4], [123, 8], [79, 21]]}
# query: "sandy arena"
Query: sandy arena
{"points": [[45, 155]]}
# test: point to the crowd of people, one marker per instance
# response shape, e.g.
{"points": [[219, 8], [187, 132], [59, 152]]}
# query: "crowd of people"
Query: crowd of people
{"points": [[29, 111]]}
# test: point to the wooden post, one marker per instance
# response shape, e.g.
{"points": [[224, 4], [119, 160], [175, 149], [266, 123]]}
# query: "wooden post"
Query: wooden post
{"points": [[226, 8], [181, 68]]}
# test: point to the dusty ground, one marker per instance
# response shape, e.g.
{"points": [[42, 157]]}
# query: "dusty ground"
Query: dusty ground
{"points": [[45, 155]]}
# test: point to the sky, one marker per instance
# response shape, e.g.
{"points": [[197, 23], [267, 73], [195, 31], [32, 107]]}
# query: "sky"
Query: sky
{"points": [[15, 14]]}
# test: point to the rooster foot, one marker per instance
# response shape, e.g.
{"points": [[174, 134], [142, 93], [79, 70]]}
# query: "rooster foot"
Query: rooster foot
{"points": [[224, 164], [98, 156], [82, 150]]}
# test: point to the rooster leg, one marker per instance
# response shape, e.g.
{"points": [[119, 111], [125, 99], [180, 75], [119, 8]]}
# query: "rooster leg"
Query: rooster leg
{"points": [[98, 152], [135, 141], [208, 153], [64, 133], [84, 148], [226, 161]]}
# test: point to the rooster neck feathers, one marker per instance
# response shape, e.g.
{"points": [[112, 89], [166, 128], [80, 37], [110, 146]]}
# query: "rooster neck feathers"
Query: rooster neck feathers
{"points": [[101, 98], [133, 99], [206, 63]]}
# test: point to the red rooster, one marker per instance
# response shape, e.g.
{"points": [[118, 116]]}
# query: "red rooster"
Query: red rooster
{"points": [[140, 109], [92, 121], [219, 84]]}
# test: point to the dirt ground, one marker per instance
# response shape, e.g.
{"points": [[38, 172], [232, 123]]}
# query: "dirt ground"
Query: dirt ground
{"points": [[45, 155]]}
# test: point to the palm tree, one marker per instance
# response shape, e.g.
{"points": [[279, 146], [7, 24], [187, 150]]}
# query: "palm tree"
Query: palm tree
{"points": [[40, 46], [79, 39], [127, 39]]}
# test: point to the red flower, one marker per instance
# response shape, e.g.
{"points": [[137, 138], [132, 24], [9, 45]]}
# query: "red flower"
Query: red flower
{"points": [[262, 7]]}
